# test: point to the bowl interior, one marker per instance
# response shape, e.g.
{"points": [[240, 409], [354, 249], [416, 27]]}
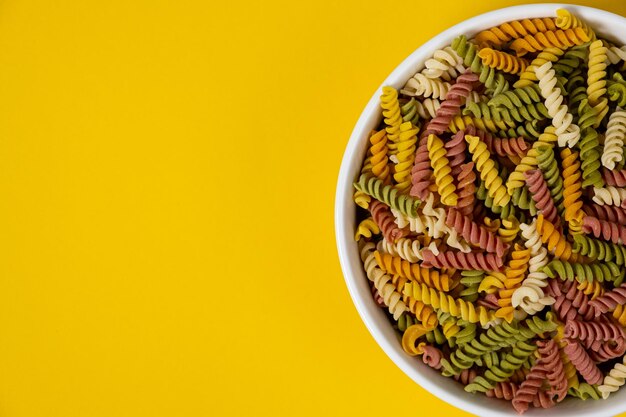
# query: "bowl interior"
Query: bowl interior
{"points": [[609, 26]]}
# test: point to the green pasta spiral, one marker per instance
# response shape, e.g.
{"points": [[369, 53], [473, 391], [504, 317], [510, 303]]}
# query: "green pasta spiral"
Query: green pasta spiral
{"points": [[599, 249], [576, 88], [589, 147], [388, 194], [518, 97], [571, 60], [409, 112], [405, 321], [598, 271], [585, 391], [470, 279], [492, 79], [617, 89], [533, 111], [504, 212], [513, 361], [495, 338], [551, 173], [521, 198]]}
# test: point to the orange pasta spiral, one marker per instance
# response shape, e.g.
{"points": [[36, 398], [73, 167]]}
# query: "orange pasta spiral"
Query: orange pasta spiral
{"points": [[552, 38], [397, 266], [499, 35], [379, 159], [555, 242], [502, 61], [572, 182], [515, 272]]}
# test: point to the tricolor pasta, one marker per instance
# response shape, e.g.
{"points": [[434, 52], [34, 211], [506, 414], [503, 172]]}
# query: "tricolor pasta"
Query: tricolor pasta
{"points": [[492, 211]]}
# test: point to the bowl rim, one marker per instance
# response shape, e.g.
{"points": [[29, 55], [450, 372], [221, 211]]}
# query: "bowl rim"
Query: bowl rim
{"points": [[345, 207]]}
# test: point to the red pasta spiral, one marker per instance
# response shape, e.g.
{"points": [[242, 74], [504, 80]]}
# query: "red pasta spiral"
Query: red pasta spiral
{"points": [[606, 230], [455, 152], [605, 351], [474, 233], [466, 376], [614, 178], [432, 357], [543, 400], [609, 300], [551, 360], [458, 93], [460, 260], [501, 147], [503, 390], [583, 363], [529, 388], [580, 300], [466, 189], [609, 213], [386, 222], [540, 193], [589, 332]]}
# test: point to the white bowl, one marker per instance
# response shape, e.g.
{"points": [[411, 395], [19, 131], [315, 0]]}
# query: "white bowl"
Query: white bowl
{"points": [[609, 25]]}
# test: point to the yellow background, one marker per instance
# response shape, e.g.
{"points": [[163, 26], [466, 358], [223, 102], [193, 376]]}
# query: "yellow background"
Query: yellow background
{"points": [[167, 174]]}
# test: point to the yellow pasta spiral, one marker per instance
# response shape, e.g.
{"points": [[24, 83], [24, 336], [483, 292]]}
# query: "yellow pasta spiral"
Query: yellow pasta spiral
{"points": [[552, 38], [490, 125], [502, 61], [515, 273], [411, 336], [421, 311], [491, 224], [362, 199], [393, 116], [572, 187], [367, 228], [397, 266], [528, 76], [509, 229], [529, 161], [593, 288], [499, 35], [488, 171], [596, 80], [620, 314], [379, 159], [441, 169], [448, 304], [554, 241], [405, 154], [568, 367], [566, 20]]}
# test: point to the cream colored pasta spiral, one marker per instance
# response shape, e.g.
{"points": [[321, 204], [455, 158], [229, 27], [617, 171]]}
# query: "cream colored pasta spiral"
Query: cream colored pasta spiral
{"points": [[381, 281], [614, 139], [530, 296], [610, 196], [613, 380], [436, 223], [421, 85], [567, 132], [408, 249], [445, 64], [427, 109], [615, 54]]}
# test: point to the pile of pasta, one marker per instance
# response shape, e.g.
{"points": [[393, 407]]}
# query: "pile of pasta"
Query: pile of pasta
{"points": [[492, 224]]}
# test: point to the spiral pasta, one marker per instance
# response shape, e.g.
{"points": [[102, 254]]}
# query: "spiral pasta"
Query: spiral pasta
{"points": [[572, 187], [405, 149], [502, 61], [554, 240], [488, 76], [488, 170], [445, 63], [462, 260], [614, 139], [541, 195], [441, 168], [613, 380], [475, 233], [423, 86], [606, 271], [397, 266], [389, 195], [551, 38], [566, 20], [381, 281], [611, 196], [367, 228], [567, 132], [581, 360], [391, 113], [599, 250], [386, 222], [499, 35], [596, 84]]}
